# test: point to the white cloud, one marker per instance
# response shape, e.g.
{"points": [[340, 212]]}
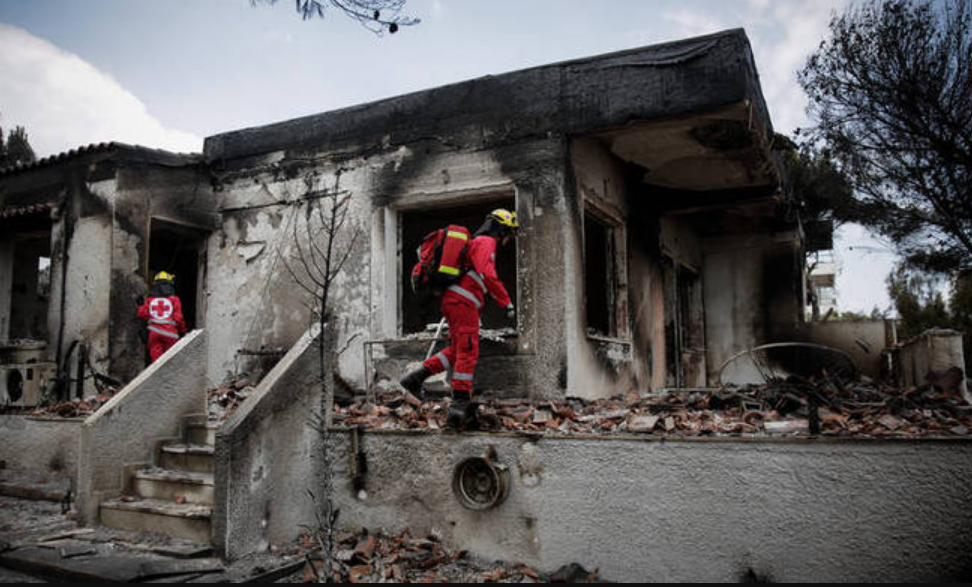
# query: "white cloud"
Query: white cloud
{"points": [[64, 102], [691, 24], [788, 32], [864, 264]]}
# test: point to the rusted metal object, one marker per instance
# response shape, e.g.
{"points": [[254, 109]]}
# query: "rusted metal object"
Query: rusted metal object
{"points": [[480, 484]]}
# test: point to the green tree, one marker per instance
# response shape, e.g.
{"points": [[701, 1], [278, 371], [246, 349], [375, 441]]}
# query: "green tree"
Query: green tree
{"points": [[821, 191], [889, 90], [15, 149], [918, 299]]}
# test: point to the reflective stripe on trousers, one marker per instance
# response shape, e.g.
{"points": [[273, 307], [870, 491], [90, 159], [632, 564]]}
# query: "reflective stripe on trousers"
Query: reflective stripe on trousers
{"points": [[163, 332], [466, 294]]}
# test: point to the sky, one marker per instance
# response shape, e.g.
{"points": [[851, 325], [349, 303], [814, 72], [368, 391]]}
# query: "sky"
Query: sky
{"points": [[166, 74]]}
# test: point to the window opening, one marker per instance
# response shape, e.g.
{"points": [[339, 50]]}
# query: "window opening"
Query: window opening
{"points": [[30, 287], [415, 224], [599, 276]]}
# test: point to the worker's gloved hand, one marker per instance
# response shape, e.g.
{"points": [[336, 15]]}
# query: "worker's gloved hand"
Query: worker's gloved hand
{"points": [[510, 313]]}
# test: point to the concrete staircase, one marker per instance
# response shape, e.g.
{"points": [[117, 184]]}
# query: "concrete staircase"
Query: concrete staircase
{"points": [[176, 497]]}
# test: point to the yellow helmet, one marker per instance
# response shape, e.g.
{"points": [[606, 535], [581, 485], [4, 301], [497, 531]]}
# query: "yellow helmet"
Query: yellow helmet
{"points": [[505, 217], [163, 277]]}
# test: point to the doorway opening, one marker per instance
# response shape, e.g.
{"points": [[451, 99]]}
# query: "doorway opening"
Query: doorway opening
{"points": [[181, 251]]}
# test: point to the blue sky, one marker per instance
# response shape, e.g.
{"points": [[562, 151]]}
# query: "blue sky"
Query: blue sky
{"points": [[167, 73]]}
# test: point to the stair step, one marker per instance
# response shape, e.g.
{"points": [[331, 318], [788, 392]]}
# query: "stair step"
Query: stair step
{"points": [[197, 458], [202, 432], [197, 488], [186, 520]]}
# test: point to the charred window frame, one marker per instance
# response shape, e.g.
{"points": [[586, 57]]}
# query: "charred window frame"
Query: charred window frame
{"points": [[415, 222], [605, 274]]}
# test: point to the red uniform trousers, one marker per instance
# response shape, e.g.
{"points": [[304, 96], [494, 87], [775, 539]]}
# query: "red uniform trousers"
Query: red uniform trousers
{"points": [[463, 350], [159, 343]]}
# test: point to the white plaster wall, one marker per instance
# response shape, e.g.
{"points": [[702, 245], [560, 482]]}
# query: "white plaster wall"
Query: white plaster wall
{"points": [[934, 351], [88, 291], [699, 511]]}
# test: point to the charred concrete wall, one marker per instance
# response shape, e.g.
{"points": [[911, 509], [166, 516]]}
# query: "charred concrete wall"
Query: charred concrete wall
{"points": [[751, 285], [497, 137], [863, 340], [713, 511], [601, 364], [143, 196], [255, 263]]}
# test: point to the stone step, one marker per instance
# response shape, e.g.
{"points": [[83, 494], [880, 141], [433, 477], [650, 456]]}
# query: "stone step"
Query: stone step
{"points": [[171, 485], [196, 458], [202, 432], [189, 521]]}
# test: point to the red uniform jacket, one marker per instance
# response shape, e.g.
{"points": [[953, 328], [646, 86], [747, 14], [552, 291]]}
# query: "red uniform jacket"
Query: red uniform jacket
{"points": [[164, 315], [480, 276]]}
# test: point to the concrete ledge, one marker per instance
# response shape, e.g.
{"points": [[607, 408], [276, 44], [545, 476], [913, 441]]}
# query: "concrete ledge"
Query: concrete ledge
{"points": [[268, 457], [643, 509], [636, 437]]}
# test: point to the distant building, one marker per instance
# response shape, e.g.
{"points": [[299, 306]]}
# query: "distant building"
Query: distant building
{"points": [[823, 285]]}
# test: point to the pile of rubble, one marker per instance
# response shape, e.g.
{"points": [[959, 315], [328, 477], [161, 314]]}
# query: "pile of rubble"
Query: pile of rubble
{"points": [[76, 408], [380, 558], [224, 400], [791, 407]]}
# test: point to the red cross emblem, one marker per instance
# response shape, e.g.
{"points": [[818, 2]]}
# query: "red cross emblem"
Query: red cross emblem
{"points": [[160, 309]]}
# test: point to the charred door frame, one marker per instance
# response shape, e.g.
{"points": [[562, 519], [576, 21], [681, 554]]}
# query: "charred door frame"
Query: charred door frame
{"points": [[684, 338]]}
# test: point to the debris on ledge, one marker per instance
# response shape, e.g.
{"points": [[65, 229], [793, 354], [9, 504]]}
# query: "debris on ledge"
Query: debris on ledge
{"points": [[780, 408]]}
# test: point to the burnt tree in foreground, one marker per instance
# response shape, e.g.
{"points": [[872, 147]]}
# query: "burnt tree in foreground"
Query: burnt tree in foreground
{"points": [[324, 236]]}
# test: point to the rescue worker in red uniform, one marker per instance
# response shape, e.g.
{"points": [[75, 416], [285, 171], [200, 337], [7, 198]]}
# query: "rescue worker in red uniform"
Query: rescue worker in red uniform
{"points": [[163, 311], [461, 305]]}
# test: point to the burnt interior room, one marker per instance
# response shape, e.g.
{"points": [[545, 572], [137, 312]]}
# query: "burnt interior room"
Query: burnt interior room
{"points": [[599, 280], [416, 224], [28, 239], [178, 249]]}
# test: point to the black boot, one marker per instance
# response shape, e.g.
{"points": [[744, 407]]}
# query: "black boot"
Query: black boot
{"points": [[413, 381], [461, 411]]}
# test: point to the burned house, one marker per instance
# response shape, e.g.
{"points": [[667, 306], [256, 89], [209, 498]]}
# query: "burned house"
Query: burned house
{"points": [[81, 233], [656, 244], [656, 239]]}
